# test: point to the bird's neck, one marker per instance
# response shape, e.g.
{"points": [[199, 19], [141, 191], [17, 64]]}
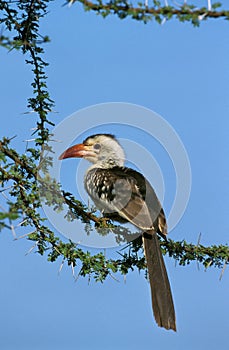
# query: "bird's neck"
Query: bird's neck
{"points": [[108, 163]]}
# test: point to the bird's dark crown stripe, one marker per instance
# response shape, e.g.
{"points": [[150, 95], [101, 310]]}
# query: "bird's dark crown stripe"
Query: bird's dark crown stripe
{"points": [[96, 135]]}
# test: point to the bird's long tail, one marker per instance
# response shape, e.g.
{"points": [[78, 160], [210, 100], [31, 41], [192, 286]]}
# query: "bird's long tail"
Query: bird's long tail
{"points": [[162, 300]]}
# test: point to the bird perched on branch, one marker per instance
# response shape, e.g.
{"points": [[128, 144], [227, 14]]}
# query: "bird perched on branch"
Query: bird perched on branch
{"points": [[125, 194]]}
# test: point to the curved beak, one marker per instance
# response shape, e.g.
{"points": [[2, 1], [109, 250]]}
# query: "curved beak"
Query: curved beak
{"points": [[77, 151]]}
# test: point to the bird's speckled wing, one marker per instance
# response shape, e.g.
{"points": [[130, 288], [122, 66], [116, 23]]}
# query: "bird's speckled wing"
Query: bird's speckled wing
{"points": [[128, 193]]}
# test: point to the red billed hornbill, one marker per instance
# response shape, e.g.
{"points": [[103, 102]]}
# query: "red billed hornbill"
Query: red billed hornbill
{"points": [[125, 194]]}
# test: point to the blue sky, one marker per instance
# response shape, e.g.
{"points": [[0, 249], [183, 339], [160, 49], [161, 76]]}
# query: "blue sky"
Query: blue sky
{"points": [[181, 73]]}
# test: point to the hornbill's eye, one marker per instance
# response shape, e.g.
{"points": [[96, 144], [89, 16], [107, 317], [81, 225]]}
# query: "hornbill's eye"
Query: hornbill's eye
{"points": [[97, 146]]}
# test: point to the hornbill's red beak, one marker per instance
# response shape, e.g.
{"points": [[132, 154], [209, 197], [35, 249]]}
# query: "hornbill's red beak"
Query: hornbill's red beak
{"points": [[78, 151]]}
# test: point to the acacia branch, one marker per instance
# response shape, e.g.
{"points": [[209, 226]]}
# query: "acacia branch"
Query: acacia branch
{"points": [[25, 21], [142, 12], [164, 10]]}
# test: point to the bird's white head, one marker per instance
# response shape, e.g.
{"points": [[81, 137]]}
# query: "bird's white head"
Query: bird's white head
{"points": [[103, 150]]}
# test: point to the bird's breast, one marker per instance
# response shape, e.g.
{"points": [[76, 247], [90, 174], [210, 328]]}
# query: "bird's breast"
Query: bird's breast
{"points": [[100, 188]]}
